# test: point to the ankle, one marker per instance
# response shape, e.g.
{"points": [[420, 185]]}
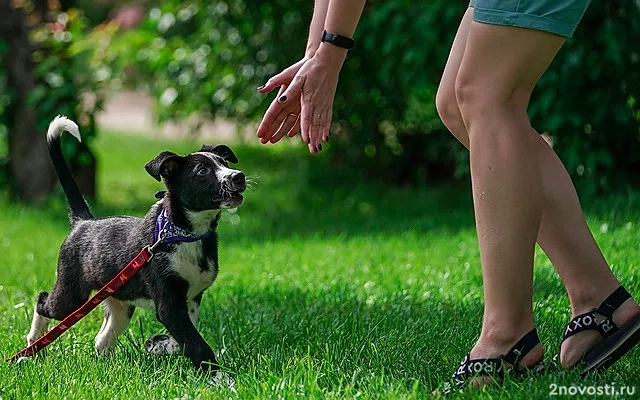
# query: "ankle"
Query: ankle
{"points": [[588, 297], [506, 328], [494, 343], [503, 339]]}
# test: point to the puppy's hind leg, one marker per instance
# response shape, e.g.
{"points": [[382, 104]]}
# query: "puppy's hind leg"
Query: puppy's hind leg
{"points": [[39, 325], [117, 316]]}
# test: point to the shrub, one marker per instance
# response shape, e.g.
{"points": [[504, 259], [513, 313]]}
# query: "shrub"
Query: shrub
{"points": [[204, 59], [54, 78], [588, 100]]}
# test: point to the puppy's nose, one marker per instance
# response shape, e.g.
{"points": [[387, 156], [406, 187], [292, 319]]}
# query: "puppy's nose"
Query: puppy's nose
{"points": [[238, 180]]}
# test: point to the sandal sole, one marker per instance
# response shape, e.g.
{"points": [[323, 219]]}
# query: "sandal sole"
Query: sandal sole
{"points": [[611, 349]]}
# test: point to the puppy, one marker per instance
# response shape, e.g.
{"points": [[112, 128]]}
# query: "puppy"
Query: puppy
{"points": [[198, 186]]}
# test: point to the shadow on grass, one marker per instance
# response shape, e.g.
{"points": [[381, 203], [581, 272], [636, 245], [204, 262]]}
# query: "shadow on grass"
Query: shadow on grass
{"points": [[334, 334], [296, 194], [338, 334]]}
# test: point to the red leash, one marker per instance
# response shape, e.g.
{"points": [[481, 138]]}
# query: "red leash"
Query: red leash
{"points": [[107, 290]]}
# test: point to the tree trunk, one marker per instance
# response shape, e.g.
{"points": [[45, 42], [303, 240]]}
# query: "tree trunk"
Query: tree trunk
{"points": [[29, 164]]}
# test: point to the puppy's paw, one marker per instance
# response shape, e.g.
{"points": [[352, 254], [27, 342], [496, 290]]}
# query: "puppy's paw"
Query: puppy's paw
{"points": [[223, 380], [162, 345]]}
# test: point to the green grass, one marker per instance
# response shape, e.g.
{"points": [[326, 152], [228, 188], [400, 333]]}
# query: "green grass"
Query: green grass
{"points": [[330, 287]]}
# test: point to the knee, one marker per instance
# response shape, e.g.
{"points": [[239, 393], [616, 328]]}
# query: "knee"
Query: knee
{"points": [[447, 107], [471, 98], [477, 99]]}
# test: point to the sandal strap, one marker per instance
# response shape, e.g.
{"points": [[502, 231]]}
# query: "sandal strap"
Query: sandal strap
{"points": [[493, 367], [607, 327], [472, 368], [611, 303], [478, 367], [522, 348], [580, 323]]}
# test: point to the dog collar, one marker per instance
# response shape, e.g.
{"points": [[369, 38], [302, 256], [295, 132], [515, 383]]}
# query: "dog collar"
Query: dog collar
{"points": [[172, 232]]}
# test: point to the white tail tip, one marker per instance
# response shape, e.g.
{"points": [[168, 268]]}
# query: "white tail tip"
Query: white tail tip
{"points": [[61, 124]]}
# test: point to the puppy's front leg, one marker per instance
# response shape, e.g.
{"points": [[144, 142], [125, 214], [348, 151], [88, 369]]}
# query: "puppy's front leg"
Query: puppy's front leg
{"points": [[172, 312]]}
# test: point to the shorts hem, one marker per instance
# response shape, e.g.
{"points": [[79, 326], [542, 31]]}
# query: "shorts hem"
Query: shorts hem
{"points": [[506, 18]]}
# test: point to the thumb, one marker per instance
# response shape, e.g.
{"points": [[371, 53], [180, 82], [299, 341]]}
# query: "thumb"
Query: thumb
{"points": [[283, 78]]}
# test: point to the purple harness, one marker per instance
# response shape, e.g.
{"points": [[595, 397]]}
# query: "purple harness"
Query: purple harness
{"points": [[172, 232]]}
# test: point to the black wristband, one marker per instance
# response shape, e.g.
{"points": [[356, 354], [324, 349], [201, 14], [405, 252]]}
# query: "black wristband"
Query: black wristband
{"points": [[338, 40]]}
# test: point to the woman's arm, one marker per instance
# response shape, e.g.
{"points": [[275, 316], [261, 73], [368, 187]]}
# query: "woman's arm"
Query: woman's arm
{"points": [[342, 17], [315, 83], [311, 91], [316, 27]]}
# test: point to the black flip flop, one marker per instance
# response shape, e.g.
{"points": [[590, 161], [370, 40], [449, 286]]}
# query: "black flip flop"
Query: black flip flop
{"points": [[494, 367], [617, 340]]}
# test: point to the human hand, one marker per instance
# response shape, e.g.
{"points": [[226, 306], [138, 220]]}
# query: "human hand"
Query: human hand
{"points": [[280, 119], [310, 94]]}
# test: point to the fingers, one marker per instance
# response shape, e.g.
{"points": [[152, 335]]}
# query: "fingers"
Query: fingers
{"points": [[290, 121], [296, 128], [269, 118], [283, 78], [319, 130], [305, 123], [318, 121], [327, 127]]}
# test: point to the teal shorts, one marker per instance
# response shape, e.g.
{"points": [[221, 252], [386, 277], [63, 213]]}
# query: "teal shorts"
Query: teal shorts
{"points": [[555, 16]]}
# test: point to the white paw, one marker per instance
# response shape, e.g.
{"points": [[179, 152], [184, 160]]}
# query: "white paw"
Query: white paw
{"points": [[223, 380], [162, 345], [31, 338]]}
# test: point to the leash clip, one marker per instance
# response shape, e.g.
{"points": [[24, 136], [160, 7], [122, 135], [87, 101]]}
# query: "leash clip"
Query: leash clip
{"points": [[161, 236]]}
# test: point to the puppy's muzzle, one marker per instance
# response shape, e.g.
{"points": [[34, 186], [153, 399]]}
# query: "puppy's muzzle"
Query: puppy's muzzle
{"points": [[232, 188], [237, 182]]}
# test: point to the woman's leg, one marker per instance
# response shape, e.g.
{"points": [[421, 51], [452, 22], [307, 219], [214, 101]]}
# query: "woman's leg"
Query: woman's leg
{"points": [[499, 70], [563, 234]]}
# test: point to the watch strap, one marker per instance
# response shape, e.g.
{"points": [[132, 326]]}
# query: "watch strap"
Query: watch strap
{"points": [[338, 40]]}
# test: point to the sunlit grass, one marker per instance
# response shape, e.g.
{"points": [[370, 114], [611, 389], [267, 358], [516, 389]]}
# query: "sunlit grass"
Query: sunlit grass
{"points": [[329, 287]]}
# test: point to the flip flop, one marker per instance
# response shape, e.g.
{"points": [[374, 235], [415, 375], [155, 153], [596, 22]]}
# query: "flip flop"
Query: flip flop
{"points": [[494, 367], [617, 340]]}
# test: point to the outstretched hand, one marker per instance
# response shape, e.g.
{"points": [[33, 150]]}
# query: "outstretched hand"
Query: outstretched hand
{"points": [[304, 102], [280, 120]]}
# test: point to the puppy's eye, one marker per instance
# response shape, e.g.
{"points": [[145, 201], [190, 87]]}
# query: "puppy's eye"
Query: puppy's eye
{"points": [[202, 171]]}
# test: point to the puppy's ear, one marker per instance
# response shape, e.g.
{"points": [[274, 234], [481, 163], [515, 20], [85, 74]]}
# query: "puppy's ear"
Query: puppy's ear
{"points": [[222, 151], [165, 164]]}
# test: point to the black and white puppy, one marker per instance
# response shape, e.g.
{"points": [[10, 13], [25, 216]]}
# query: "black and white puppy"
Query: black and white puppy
{"points": [[198, 186]]}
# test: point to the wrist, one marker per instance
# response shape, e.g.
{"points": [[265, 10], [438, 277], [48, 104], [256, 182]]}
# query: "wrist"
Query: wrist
{"points": [[331, 53], [311, 49]]}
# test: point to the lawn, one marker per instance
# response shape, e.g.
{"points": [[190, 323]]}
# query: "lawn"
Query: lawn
{"points": [[330, 287]]}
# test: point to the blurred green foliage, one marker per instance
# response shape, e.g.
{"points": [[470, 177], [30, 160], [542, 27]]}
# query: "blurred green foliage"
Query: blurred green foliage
{"points": [[66, 81], [589, 98], [204, 60], [6, 96]]}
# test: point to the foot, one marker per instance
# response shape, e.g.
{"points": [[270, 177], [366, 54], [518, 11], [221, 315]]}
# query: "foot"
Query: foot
{"points": [[574, 348], [492, 356], [163, 345], [491, 346]]}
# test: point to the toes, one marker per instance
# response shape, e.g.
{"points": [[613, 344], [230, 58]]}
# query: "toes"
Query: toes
{"points": [[162, 345]]}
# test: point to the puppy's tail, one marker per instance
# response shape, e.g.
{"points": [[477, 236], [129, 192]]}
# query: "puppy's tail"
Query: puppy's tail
{"points": [[78, 208]]}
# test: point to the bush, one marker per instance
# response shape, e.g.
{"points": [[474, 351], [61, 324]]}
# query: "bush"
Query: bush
{"points": [[205, 60], [55, 77], [589, 98]]}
